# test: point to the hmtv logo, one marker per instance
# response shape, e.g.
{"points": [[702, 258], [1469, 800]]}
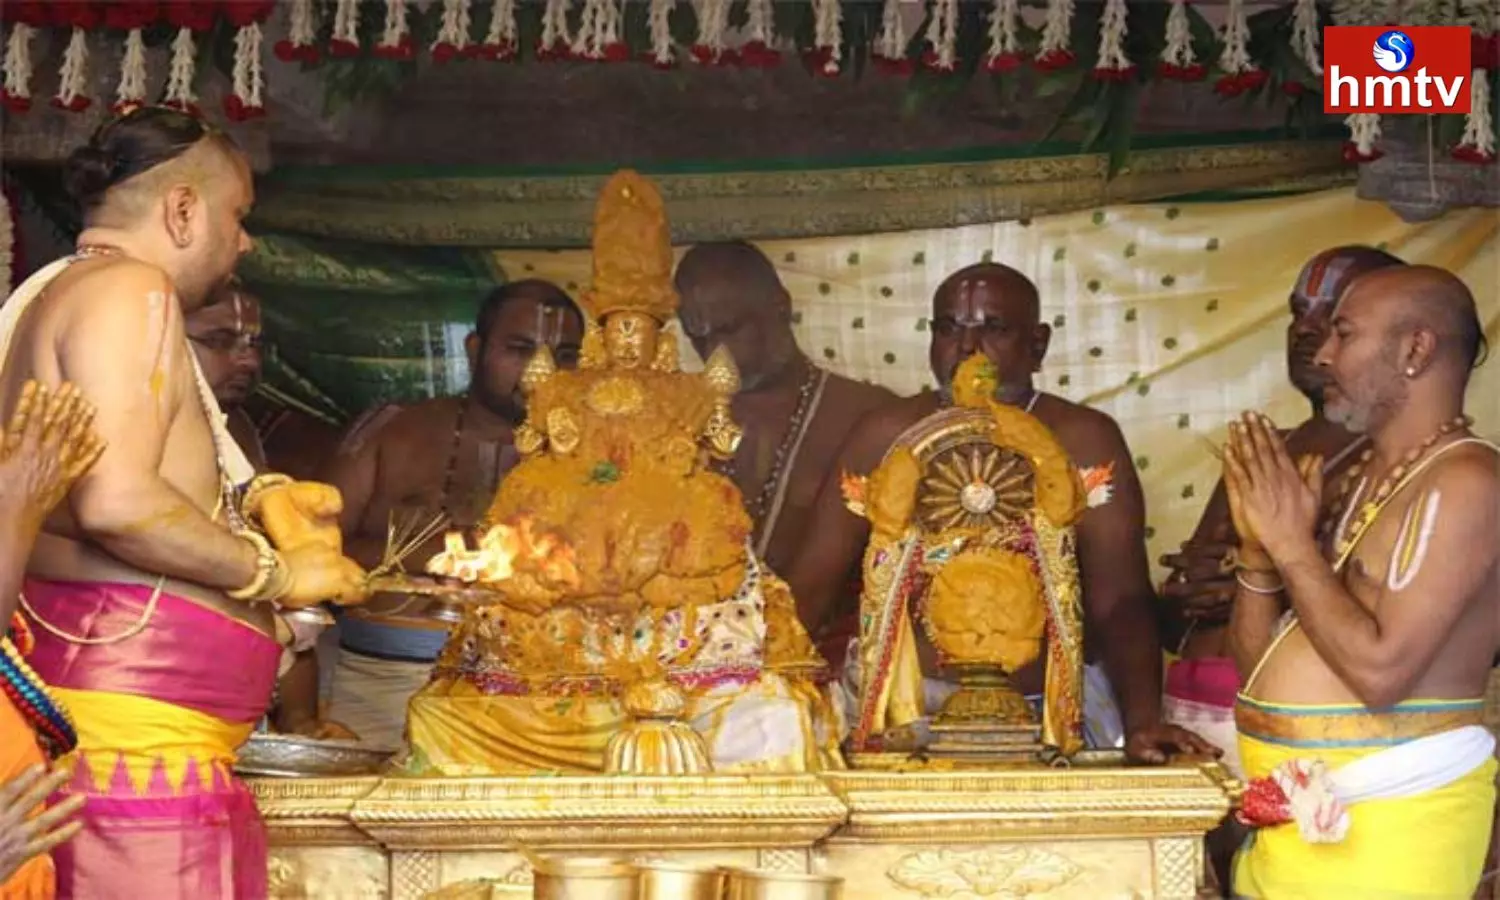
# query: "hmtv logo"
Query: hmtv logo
{"points": [[1396, 69]]}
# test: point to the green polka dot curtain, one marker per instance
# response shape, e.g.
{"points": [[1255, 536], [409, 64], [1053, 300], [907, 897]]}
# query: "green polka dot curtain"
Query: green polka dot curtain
{"points": [[1171, 318]]}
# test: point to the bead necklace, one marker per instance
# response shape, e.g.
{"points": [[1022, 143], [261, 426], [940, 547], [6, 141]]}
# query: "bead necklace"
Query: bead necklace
{"points": [[450, 472], [757, 505], [27, 692], [1351, 528]]}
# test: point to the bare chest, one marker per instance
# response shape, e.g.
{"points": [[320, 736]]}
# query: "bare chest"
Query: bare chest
{"points": [[455, 478]]}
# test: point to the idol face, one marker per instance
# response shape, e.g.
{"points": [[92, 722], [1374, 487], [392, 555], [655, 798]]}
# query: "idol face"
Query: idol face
{"points": [[630, 339]]}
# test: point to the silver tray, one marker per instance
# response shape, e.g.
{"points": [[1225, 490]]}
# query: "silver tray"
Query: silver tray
{"points": [[291, 756]]}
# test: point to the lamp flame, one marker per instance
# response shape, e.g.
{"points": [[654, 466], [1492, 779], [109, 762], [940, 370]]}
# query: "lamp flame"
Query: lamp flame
{"points": [[505, 551]]}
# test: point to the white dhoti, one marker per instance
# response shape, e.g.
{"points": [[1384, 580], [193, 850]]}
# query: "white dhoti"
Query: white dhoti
{"points": [[369, 695]]}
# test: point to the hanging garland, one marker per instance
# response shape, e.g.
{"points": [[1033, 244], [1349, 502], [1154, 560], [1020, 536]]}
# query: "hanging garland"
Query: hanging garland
{"points": [[1477, 144], [1279, 48], [1004, 38], [1179, 61], [1056, 50], [302, 32], [1112, 64]]}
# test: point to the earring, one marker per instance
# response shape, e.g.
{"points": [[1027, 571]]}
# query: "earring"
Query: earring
{"points": [[1410, 371]]}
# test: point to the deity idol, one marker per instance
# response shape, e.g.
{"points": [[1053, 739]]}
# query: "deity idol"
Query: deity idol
{"points": [[971, 535], [626, 602]]}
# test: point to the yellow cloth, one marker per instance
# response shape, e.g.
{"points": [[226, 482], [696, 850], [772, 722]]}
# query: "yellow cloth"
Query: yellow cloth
{"points": [[779, 723], [1148, 304], [150, 737], [1432, 845]]}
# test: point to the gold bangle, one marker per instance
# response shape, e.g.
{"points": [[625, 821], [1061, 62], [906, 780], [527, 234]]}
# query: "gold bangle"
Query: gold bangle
{"points": [[257, 488], [271, 578]]}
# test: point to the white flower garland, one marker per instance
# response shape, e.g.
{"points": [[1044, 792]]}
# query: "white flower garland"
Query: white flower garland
{"points": [[18, 65], [890, 44], [1179, 51], [249, 78], [760, 23], [659, 19], [1235, 60], [555, 25], [1057, 30], [599, 30], [302, 27], [346, 22], [182, 70], [132, 88], [942, 35], [73, 79], [396, 32], [1364, 128], [713, 23], [1364, 134], [828, 33], [1307, 37], [1479, 130], [1004, 31], [502, 32], [1112, 31]]}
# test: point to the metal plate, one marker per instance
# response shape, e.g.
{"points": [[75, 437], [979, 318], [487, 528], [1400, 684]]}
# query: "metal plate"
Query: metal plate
{"points": [[292, 756]]}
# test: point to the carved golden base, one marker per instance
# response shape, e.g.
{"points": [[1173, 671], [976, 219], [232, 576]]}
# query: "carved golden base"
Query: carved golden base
{"points": [[1097, 831], [985, 720]]}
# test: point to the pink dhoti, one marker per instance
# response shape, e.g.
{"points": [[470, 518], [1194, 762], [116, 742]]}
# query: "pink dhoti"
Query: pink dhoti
{"points": [[159, 714]]}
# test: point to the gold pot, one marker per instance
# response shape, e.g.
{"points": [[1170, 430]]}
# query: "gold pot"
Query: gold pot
{"points": [[669, 881], [585, 878], [747, 884]]}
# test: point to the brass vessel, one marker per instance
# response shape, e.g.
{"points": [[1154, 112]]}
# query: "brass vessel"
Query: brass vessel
{"points": [[670, 881], [585, 878], [748, 884]]}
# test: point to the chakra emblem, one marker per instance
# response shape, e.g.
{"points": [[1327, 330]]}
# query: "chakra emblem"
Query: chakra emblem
{"points": [[977, 485]]}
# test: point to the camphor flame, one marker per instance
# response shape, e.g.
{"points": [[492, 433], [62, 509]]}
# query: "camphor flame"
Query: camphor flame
{"points": [[505, 551]]}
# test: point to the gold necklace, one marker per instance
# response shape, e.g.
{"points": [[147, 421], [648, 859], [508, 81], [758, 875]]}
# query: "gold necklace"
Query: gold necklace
{"points": [[1354, 527]]}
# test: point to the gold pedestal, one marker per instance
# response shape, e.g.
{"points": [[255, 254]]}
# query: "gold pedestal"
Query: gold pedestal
{"points": [[985, 721], [1097, 831]]}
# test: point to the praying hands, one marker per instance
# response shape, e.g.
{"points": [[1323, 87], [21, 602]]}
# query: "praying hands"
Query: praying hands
{"points": [[1273, 500]]}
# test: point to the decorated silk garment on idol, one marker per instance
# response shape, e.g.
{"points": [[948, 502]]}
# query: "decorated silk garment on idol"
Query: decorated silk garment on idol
{"points": [[971, 516], [622, 582]]}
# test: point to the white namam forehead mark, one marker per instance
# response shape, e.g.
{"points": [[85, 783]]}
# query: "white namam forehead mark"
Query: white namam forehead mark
{"points": [[967, 310], [1412, 539]]}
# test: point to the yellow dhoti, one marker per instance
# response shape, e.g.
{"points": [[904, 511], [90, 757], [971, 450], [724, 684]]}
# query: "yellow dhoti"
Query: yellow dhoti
{"points": [[1430, 844]]}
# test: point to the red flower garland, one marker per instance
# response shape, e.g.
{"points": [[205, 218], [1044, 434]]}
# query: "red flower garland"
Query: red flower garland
{"points": [[1053, 60], [1240, 83], [1002, 63]]}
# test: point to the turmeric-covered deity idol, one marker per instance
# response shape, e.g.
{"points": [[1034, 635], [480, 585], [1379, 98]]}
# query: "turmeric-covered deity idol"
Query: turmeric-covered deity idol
{"points": [[627, 624], [971, 538]]}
